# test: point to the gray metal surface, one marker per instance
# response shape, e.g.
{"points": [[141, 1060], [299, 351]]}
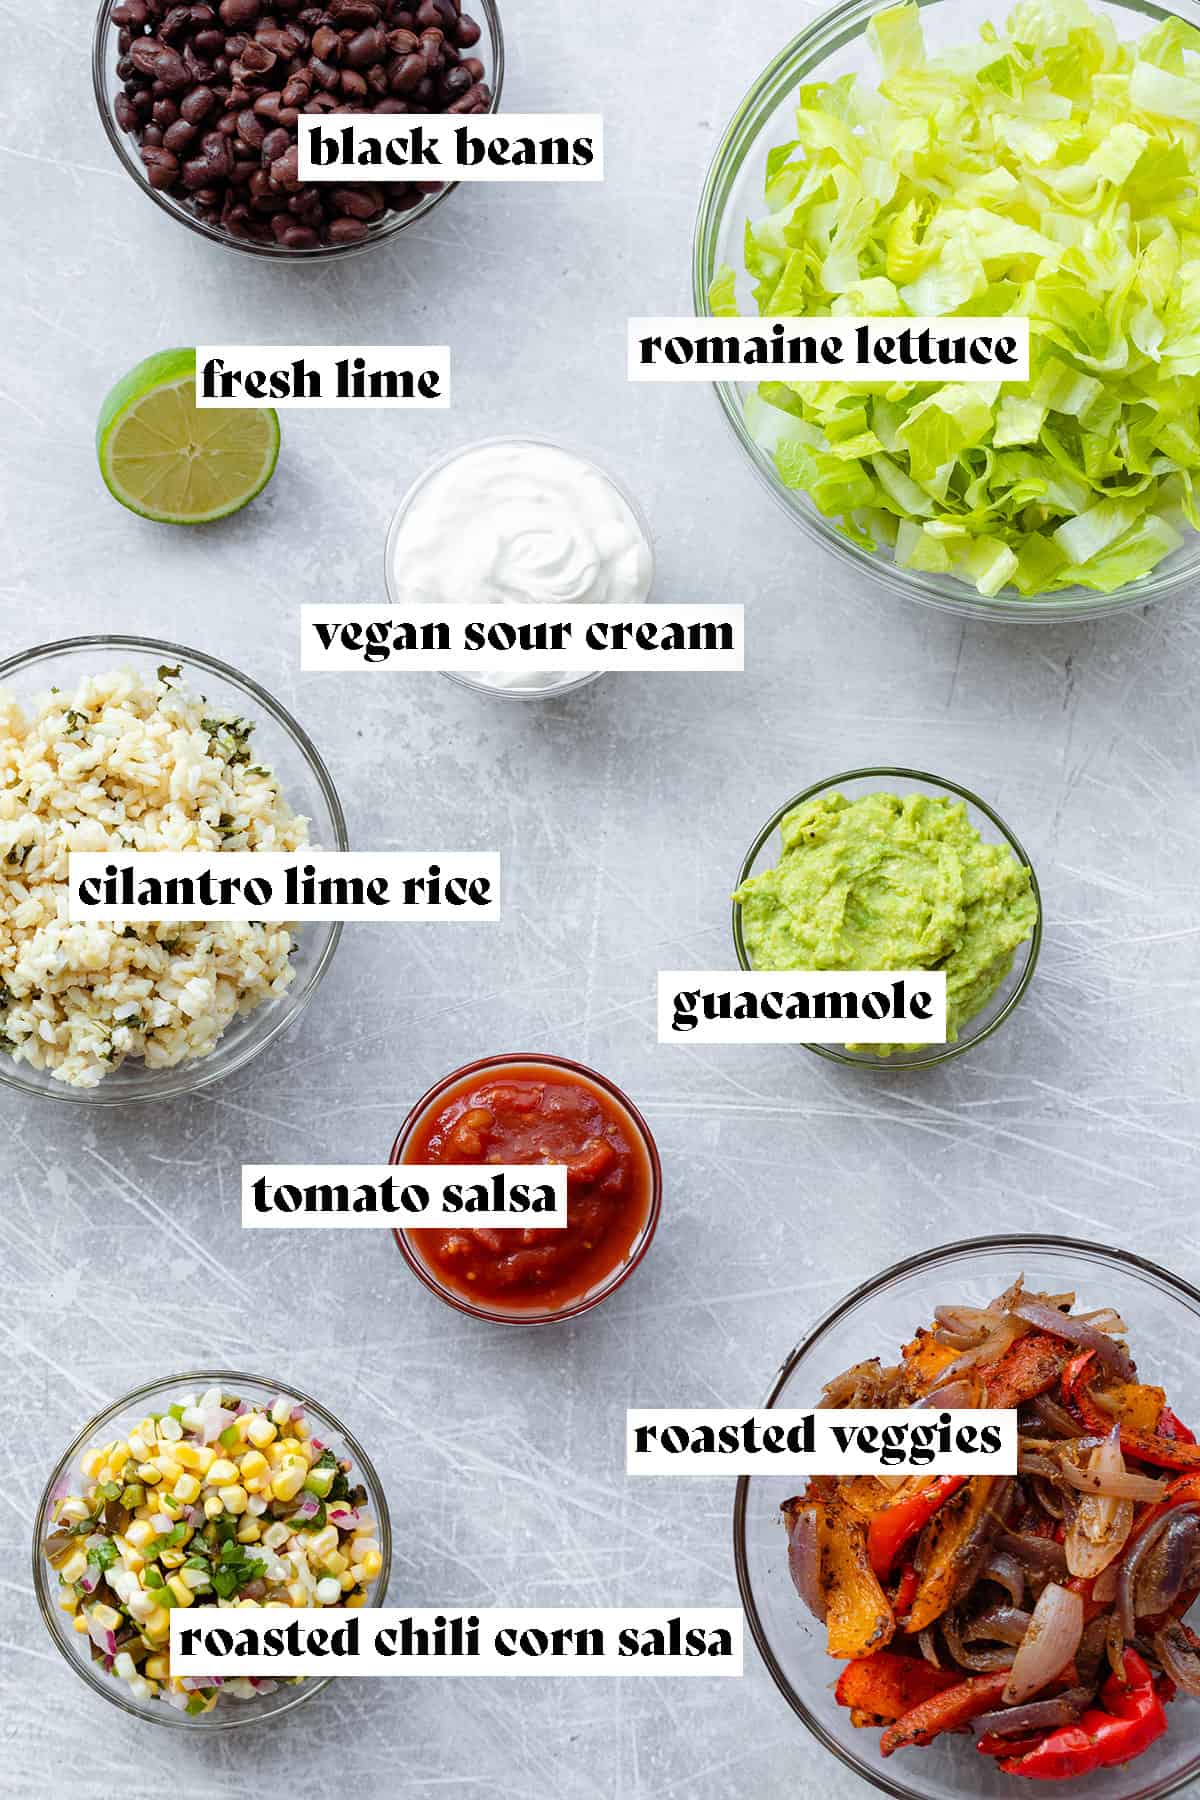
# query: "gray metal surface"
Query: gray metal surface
{"points": [[621, 814]]}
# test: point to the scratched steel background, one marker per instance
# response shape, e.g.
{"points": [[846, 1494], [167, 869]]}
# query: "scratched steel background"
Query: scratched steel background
{"points": [[621, 815]]}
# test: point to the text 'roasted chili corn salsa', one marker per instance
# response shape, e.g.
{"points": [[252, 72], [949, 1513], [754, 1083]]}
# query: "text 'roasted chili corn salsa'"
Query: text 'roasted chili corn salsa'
{"points": [[214, 1502], [1046, 1613]]}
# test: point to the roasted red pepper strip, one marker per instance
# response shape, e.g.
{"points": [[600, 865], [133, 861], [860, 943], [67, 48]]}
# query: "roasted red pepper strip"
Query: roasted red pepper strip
{"points": [[1162, 1452], [992, 1744], [887, 1686], [1133, 1718], [906, 1592], [891, 1529], [1029, 1367], [1171, 1427], [945, 1712]]}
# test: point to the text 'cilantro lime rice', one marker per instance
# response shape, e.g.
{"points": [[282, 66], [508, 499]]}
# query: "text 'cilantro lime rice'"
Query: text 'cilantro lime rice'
{"points": [[141, 765], [215, 1503], [1052, 171], [1044, 1614]]}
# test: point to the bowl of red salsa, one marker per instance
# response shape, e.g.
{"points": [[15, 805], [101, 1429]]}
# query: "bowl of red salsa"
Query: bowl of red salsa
{"points": [[535, 1109]]}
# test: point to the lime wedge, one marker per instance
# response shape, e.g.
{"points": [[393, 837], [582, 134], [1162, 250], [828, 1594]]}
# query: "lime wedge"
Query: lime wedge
{"points": [[166, 460]]}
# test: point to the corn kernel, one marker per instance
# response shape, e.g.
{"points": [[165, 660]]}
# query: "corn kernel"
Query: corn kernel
{"points": [[158, 1668], [336, 1563], [346, 1581], [74, 1566], [249, 1531], [212, 1506], [139, 1532], [73, 1510], [185, 1489], [297, 1593], [233, 1499], [137, 1445], [221, 1472], [194, 1578], [149, 1473], [169, 1430], [261, 1431], [199, 1457], [181, 1590], [79, 1623], [106, 1617], [254, 1463], [158, 1626], [172, 1559], [68, 1600], [356, 1600], [275, 1535], [91, 1462], [322, 1544], [168, 1468], [288, 1482], [372, 1562]]}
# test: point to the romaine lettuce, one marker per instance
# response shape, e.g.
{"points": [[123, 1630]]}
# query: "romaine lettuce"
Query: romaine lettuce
{"points": [[1052, 170]]}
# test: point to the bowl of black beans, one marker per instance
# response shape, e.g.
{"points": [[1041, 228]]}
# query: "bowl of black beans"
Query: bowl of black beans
{"points": [[200, 103]]}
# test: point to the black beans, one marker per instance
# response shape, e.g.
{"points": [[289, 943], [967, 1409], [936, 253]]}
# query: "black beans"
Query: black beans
{"points": [[213, 94]]}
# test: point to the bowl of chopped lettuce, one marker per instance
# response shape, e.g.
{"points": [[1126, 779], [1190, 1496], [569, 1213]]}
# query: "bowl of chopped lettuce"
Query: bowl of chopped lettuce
{"points": [[924, 162]]}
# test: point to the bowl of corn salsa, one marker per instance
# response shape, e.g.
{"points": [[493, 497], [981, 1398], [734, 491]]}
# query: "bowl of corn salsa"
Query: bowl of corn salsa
{"points": [[211, 1488]]}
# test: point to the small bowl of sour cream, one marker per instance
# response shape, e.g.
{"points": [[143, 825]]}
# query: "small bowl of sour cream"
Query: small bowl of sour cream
{"points": [[519, 519]]}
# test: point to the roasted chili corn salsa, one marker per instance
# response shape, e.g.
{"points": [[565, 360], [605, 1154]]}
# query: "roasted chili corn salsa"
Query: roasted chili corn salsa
{"points": [[1046, 1613], [214, 1502]]}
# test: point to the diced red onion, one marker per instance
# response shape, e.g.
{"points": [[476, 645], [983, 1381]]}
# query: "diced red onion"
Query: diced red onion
{"points": [[1076, 1331], [307, 1507], [1049, 1644], [1053, 1418], [973, 1322], [804, 1558], [89, 1581], [1178, 1658]]}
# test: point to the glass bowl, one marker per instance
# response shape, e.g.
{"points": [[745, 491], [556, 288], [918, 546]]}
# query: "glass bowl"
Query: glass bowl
{"points": [[113, 1422], [1163, 1315], [516, 1063], [856, 783], [105, 84], [571, 682], [831, 46], [306, 785]]}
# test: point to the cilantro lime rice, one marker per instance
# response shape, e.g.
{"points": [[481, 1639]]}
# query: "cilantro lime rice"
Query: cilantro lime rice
{"points": [[146, 765]]}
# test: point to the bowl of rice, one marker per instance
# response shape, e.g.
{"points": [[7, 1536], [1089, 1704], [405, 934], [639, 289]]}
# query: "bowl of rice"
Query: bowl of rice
{"points": [[134, 743]]}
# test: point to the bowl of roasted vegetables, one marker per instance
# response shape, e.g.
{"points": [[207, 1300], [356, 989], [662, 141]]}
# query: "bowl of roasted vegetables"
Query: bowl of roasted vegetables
{"points": [[947, 1635]]}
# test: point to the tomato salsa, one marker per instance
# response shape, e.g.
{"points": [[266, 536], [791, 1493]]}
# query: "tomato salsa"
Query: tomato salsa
{"points": [[535, 1112]]}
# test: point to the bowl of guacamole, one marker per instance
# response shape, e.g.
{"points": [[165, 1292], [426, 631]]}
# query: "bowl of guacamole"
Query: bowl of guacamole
{"points": [[894, 869]]}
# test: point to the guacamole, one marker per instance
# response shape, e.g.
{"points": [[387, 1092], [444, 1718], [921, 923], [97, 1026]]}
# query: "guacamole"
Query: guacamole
{"points": [[890, 883]]}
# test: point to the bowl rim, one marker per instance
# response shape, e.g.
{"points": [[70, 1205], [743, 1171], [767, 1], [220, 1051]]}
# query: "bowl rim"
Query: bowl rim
{"points": [[574, 682], [800, 57], [945, 1052], [620, 1275], [109, 1687], [1033, 1243], [200, 1075], [103, 75]]}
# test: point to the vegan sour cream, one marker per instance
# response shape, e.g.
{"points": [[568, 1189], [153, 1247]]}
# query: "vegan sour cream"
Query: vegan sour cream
{"points": [[519, 521]]}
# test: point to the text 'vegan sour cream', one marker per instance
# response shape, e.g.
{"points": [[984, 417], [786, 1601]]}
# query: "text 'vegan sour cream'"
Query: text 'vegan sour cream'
{"points": [[518, 520]]}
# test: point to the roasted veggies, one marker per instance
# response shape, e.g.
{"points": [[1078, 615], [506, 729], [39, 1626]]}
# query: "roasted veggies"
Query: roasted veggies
{"points": [[1046, 1611]]}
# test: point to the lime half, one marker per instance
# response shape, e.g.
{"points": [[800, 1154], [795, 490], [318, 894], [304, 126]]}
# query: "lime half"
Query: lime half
{"points": [[163, 458]]}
